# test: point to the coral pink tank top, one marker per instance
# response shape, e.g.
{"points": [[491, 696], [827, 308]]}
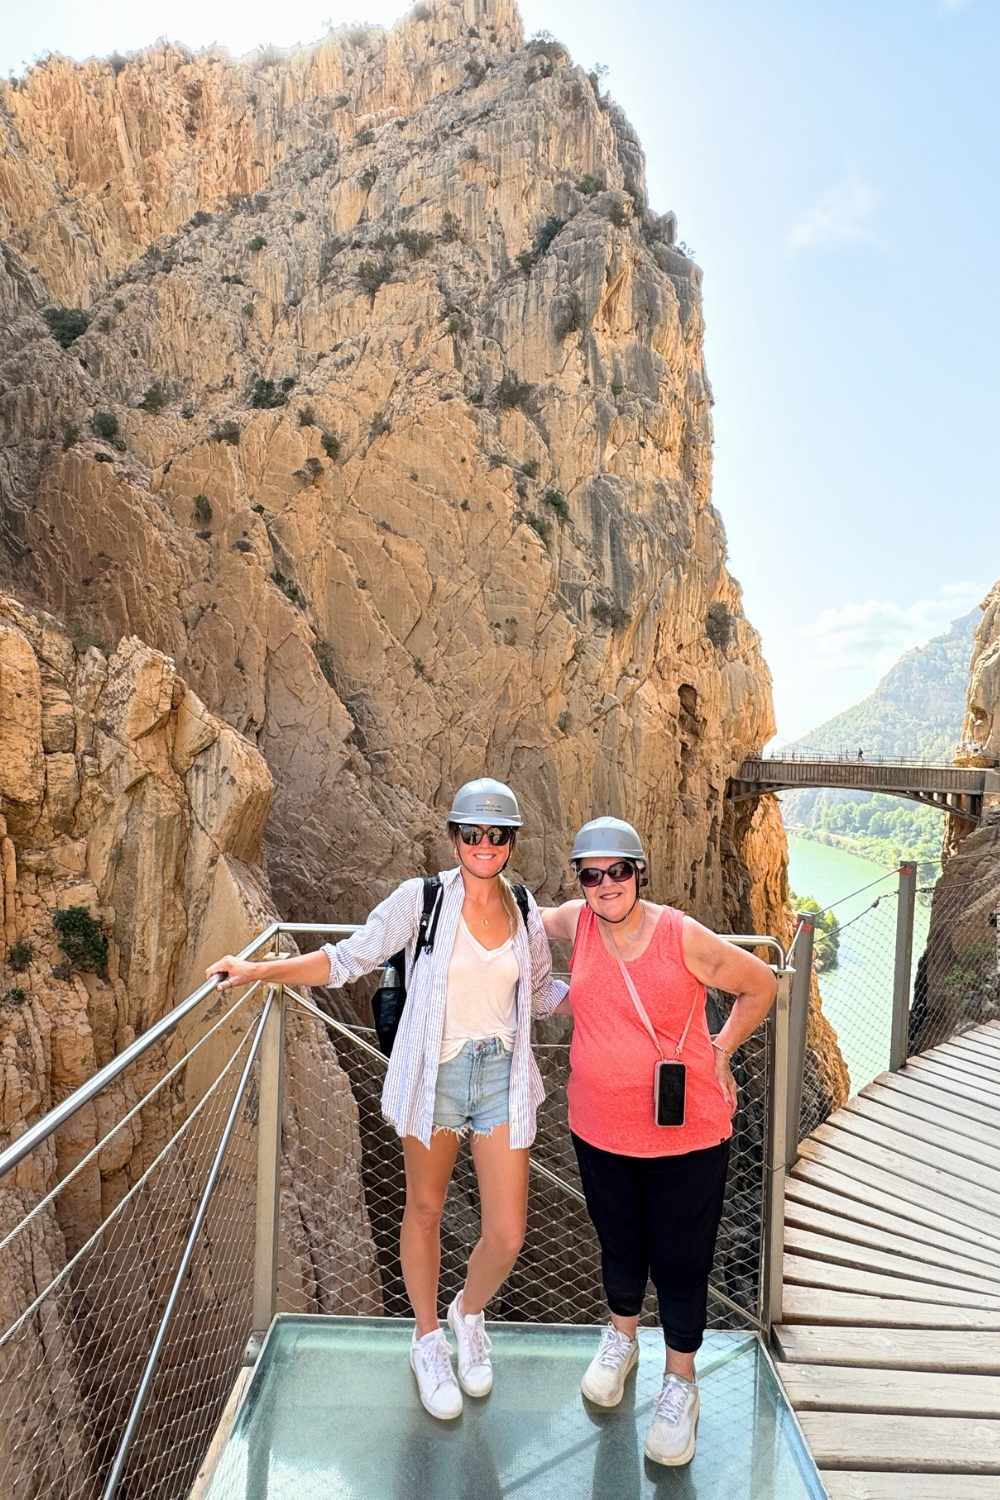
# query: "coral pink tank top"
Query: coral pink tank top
{"points": [[610, 1089]]}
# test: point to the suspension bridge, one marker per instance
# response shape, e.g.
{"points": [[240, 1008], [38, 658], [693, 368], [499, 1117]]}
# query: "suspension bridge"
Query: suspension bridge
{"points": [[960, 790]]}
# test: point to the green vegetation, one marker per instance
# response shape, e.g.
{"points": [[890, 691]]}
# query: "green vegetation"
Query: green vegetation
{"points": [[66, 323], [19, 956], [540, 526], [512, 392], [105, 425], [14, 996], [368, 178], [556, 501], [257, 243], [826, 942], [266, 394], [374, 273], [607, 613], [289, 588], [155, 399], [82, 939], [331, 445], [226, 432], [916, 711], [71, 433], [588, 185], [202, 509]]}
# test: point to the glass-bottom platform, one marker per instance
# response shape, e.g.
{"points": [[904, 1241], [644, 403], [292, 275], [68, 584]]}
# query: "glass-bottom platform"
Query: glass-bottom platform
{"points": [[332, 1414]]}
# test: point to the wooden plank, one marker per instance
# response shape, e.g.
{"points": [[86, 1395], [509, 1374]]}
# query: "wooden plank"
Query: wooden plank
{"points": [[906, 1392], [871, 1191], [975, 1046], [941, 1146], [809, 1304], [849, 1484], [891, 1348], [912, 1444], [810, 1208], [929, 1091], [811, 1271], [971, 1059], [961, 1068], [863, 1258], [869, 1143], [936, 1075], [922, 1124], [982, 1036]]}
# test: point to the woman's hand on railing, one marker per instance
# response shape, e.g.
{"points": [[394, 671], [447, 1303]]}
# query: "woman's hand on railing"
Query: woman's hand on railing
{"points": [[234, 972]]}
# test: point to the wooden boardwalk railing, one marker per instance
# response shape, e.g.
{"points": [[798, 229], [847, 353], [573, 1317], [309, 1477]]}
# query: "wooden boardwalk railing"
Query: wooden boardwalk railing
{"points": [[889, 1347]]}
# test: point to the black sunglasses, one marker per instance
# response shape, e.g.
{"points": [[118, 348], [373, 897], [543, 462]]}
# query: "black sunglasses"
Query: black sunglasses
{"points": [[471, 833], [621, 870]]}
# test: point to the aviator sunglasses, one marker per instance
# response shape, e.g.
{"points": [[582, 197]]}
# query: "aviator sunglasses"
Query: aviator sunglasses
{"points": [[621, 870], [473, 835]]}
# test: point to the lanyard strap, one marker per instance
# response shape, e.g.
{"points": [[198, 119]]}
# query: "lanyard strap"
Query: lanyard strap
{"points": [[641, 1009]]}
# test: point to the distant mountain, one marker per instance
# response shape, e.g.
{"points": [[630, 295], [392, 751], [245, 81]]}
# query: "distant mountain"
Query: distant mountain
{"points": [[916, 710]]}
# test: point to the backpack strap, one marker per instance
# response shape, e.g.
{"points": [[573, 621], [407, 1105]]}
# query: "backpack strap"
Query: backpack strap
{"points": [[521, 897], [427, 929]]}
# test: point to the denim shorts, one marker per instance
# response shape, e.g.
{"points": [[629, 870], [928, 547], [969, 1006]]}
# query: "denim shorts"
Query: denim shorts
{"points": [[472, 1089]]}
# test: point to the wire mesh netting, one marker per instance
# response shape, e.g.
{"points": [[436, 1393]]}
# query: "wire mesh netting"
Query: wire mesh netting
{"points": [[957, 977], [95, 1220], [86, 1267], [954, 979], [557, 1275]]}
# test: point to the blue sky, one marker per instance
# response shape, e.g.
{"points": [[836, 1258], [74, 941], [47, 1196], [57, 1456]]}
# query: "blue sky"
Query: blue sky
{"points": [[835, 168]]}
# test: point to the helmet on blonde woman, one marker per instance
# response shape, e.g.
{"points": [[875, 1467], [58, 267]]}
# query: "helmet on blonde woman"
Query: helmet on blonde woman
{"points": [[486, 801], [608, 838]]}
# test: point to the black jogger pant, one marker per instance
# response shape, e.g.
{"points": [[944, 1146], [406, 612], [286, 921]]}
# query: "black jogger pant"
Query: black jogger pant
{"points": [[657, 1216]]}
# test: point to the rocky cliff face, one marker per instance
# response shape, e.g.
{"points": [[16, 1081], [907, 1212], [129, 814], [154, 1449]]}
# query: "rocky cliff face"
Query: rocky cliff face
{"points": [[958, 981], [390, 426], [132, 809]]}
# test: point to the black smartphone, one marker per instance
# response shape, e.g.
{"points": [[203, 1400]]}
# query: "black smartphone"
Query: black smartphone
{"points": [[670, 1082]]}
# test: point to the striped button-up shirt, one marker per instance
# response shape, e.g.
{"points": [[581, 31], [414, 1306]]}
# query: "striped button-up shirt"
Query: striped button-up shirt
{"points": [[411, 1079]]}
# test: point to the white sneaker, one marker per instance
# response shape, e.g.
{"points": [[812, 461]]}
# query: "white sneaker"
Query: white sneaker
{"points": [[430, 1361], [673, 1431], [475, 1372], [605, 1376]]}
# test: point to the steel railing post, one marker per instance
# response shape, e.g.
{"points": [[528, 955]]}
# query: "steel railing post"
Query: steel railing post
{"points": [[269, 1118], [906, 906], [772, 1270], [798, 1023]]}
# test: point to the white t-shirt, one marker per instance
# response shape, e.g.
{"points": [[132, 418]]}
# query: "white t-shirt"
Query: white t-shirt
{"points": [[482, 994]]}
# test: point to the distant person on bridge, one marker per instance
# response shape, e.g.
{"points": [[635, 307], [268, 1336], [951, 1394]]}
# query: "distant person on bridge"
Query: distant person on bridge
{"points": [[651, 1099], [461, 1064], [861, 753]]}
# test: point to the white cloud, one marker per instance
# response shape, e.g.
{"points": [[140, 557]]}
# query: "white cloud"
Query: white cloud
{"points": [[842, 215], [876, 632]]}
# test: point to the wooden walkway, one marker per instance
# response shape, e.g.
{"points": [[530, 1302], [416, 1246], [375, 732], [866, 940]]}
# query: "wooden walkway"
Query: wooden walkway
{"points": [[889, 1347]]}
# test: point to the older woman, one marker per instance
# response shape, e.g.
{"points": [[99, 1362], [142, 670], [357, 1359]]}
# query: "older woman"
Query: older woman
{"points": [[461, 1064], [653, 1165]]}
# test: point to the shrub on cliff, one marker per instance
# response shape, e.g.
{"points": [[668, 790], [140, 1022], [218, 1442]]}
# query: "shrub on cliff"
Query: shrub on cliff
{"points": [[202, 509], [607, 613], [226, 432], [374, 273], [82, 939], [556, 501], [331, 444], [719, 625], [257, 243], [155, 399], [66, 323], [105, 425], [19, 956], [512, 392]]}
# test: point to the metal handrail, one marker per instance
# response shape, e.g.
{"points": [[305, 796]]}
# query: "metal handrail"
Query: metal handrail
{"points": [[60, 1113], [88, 1091], [149, 1369]]}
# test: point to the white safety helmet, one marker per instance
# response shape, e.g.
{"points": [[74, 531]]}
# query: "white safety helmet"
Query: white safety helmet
{"points": [[486, 801], [608, 838]]}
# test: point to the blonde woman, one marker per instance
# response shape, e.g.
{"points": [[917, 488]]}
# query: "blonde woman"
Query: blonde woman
{"points": [[461, 1065]]}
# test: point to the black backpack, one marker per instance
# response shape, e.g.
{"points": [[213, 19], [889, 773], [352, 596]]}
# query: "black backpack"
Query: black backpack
{"points": [[390, 997]]}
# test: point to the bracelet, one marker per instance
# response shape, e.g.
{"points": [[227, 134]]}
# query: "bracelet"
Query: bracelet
{"points": [[726, 1052]]}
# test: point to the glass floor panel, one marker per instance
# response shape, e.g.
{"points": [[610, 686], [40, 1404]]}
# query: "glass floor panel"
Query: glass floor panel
{"points": [[332, 1414]]}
